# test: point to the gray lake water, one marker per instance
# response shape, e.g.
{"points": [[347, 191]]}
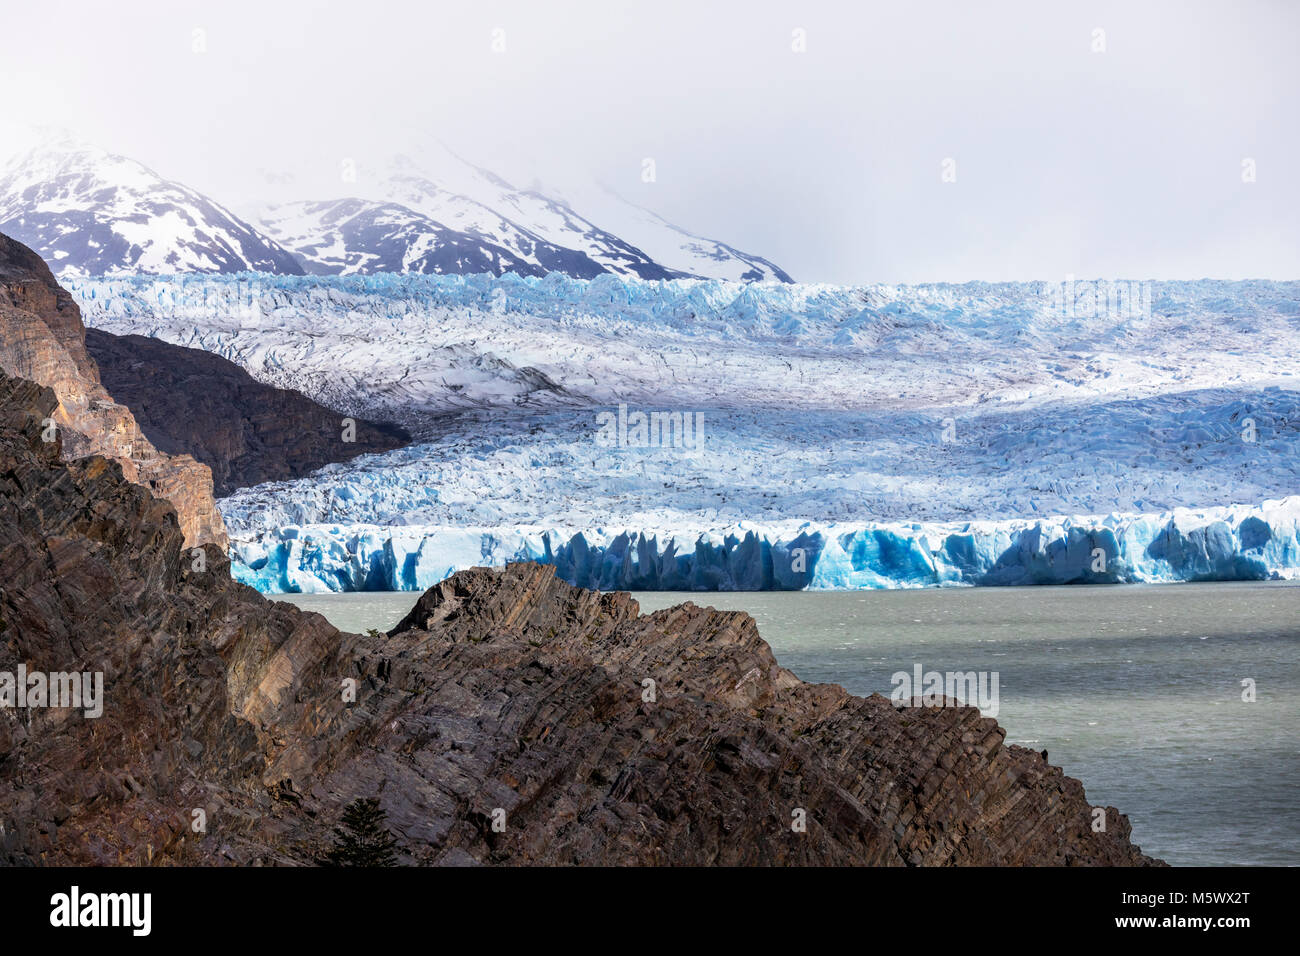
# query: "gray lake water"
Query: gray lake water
{"points": [[1135, 690]]}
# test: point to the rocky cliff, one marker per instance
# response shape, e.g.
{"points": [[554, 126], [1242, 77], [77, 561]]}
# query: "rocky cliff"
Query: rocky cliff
{"points": [[189, 401], [509, 719], [42, 339]]}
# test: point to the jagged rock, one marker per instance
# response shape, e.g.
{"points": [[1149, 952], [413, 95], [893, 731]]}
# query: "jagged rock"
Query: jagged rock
{"points": [[506, 720], [42, 339], [189, 401]]}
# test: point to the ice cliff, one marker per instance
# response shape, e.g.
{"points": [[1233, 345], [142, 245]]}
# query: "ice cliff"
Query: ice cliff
{"points": [[1222, 544]]}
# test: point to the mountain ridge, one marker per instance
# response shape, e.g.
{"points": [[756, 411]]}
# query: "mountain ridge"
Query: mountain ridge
{"points": [[192, 402]]}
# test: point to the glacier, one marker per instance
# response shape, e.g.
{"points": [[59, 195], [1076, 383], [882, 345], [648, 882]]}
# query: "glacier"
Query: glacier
{"points": [[1222, 544], [972, 434]]}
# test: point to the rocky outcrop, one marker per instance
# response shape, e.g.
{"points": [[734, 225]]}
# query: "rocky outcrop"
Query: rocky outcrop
{"points": [[189, 401], [509, 719], [713, 762], [42, 339]]}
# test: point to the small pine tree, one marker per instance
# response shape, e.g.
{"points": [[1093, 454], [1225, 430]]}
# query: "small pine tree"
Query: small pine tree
{"points": [[363, 839]]}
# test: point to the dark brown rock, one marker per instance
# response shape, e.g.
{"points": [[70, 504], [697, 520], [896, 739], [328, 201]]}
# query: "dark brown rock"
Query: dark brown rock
{"points": [[506, 695], [189, 401], [42, 339], [27, 284]]}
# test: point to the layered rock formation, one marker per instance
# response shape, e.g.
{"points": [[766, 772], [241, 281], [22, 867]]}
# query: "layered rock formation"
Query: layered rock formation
{"points": [[42, 339], [509, 719], [189, 401]]}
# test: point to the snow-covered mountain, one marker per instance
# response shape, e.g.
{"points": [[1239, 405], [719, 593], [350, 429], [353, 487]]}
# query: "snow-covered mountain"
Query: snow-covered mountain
{"points": [[90, 212], [359, 236], [674, 248], [438, 213]]}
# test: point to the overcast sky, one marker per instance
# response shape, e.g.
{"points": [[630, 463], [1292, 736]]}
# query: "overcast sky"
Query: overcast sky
{"points": [[1122, 163]]}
